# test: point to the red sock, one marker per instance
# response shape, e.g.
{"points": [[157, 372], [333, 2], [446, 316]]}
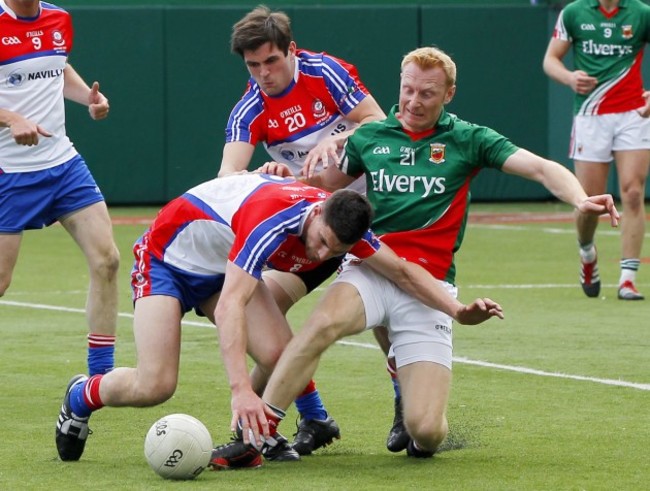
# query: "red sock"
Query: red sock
{"points": [[91, 393], [311, 387], [274, 420]]}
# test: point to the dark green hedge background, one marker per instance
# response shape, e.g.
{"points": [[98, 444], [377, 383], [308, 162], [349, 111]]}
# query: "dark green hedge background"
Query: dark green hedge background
{"points": [[172, 81]]}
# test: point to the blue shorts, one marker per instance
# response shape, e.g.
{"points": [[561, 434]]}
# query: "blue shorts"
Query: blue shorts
{"points": [[33, 200], [151, 276]]}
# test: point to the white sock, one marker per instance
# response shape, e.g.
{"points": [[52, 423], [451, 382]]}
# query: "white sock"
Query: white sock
{"points": [[587, 252], [629, 268]]}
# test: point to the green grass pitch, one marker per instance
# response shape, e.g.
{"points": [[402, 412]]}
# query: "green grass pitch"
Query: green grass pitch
{"points": [[554, 397]]}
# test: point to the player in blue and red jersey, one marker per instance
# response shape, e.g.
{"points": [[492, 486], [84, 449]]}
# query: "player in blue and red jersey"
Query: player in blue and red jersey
{"points": [[611, 120], [301, 106], [42, 177], [206, 250]]}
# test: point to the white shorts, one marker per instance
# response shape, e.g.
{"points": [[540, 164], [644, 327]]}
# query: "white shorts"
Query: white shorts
{"points": [[594, 138], [417, 332]]}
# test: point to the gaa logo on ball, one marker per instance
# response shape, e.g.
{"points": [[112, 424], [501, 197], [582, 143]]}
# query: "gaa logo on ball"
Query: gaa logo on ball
{"points": [[178, 446]]}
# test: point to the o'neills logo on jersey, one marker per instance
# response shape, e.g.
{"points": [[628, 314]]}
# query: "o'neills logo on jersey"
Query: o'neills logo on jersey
{"points": [[422, 185], [627, 32], [591, 48], [437, 153]]}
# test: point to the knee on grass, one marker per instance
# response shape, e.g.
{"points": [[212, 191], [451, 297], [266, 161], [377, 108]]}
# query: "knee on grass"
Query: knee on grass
{"points": [[427, 432]]}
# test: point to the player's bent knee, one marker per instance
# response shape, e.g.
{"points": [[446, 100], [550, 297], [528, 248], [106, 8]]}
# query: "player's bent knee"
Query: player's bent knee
{"points": [[157, 394], [156, 390], [323, 330], [428, 432]]}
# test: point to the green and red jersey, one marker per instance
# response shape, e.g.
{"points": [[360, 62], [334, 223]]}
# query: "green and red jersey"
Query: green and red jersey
{"points": [[608, 46], [420, 188]]}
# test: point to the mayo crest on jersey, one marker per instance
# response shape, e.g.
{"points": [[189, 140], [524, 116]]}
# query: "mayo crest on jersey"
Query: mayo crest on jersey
{"points": [[608, 46], [253, 220], [420, 189], [33, 54], [323, 91]]}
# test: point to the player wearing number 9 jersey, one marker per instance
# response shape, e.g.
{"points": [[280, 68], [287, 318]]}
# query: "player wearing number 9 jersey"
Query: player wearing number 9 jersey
{"points": [[611, 120], [42, 177]]}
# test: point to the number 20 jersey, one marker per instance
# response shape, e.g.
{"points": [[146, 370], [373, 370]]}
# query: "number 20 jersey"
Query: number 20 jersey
{"points": [[323, 91]]}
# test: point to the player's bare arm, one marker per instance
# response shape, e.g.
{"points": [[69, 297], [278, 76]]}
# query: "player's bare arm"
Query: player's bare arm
{"points": [[236, 157], [561, 182], [330, 179], [230, 318], [419, 283], [579, 81], [75, 89], [23, 130]]}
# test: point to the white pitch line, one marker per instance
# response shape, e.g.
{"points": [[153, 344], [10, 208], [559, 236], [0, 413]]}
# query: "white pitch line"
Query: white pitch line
{"points": [[532, 371], [548, 230], [467, 361], [536, 285]]}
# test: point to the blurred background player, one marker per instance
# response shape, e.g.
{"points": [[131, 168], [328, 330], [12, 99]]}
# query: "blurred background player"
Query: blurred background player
{"points": [[301, 106], [611, 121], [42, 177]]}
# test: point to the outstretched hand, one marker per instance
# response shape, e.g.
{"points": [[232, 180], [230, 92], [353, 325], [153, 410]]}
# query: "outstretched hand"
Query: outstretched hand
{"points": [[599, 205], [478, 311], [326, 152]]}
